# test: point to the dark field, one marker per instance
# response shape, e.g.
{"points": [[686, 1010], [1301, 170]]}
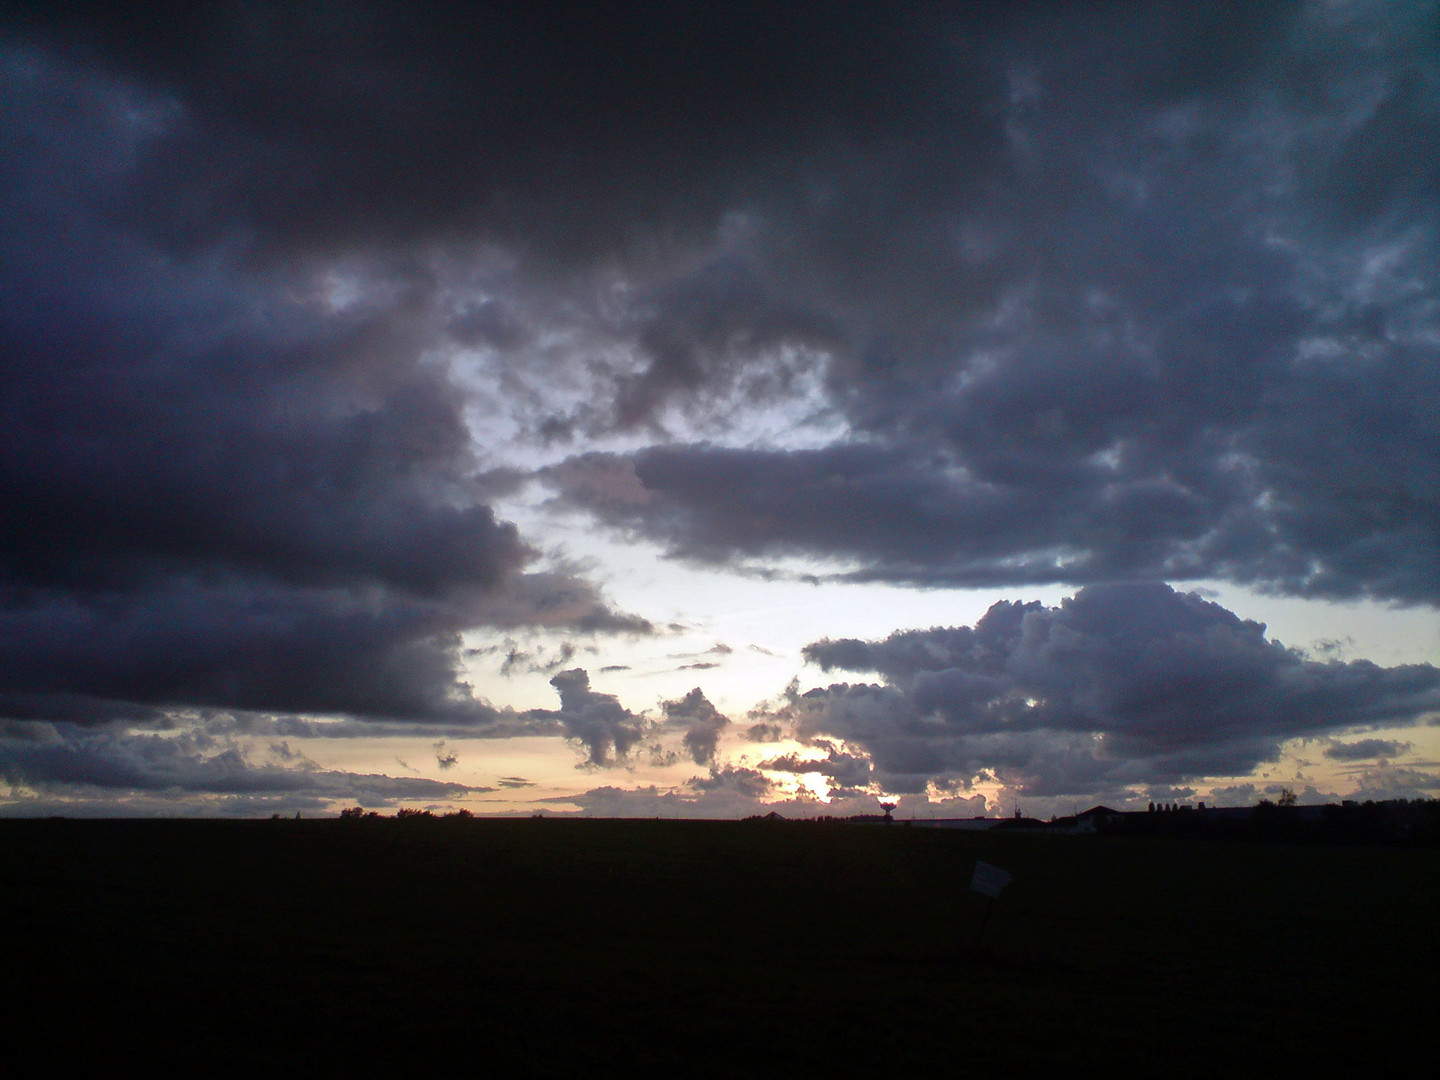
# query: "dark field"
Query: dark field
{"points": [[543, 947]]}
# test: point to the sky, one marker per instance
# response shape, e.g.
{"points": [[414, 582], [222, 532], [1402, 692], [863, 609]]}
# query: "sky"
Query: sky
{"points": [[717, 409]]}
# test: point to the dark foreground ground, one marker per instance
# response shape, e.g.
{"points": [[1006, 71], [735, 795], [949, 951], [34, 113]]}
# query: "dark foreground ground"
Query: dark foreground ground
{"points": [[707, 948]]}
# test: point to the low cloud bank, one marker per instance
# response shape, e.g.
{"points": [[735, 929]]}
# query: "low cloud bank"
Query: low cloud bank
{"points": [[1119, 685]]}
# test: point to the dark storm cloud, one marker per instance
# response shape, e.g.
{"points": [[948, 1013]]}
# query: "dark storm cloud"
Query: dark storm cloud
{"points": [[1120, 684], [224, 488], [122, 654], [1169, 314], [903, 514], [560, 126]]}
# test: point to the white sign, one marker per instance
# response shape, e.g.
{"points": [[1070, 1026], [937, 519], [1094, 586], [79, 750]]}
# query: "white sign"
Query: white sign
{"points": [[989, 880]]}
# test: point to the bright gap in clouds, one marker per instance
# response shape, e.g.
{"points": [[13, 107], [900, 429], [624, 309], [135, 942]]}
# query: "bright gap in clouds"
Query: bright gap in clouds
{"points": [[1356, 630], [736, 636], [765, 621], [739, 640]]}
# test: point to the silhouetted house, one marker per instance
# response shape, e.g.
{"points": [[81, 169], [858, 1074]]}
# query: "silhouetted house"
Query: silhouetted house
{"points": [[1025, 824], [1096, 819]]}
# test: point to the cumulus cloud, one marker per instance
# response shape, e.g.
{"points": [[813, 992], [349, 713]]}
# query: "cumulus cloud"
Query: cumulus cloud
{"points": [[844, 770], [606, 729], [739, 792], [1396, 782], [1118, 685], [703, 724]]}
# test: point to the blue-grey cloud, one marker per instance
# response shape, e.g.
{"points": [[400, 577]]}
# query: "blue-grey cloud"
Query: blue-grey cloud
{"points": [[1121, 684], [703, 723], [598, 722], [226, 487], [64, 760], [1079, 295], [1174, 323], [1365, 749]]}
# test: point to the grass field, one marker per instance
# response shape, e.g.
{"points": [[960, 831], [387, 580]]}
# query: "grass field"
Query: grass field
{"points": [[701, 948]]}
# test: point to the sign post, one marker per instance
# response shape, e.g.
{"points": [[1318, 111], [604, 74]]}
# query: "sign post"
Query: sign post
{"points": [[988, 881]]}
